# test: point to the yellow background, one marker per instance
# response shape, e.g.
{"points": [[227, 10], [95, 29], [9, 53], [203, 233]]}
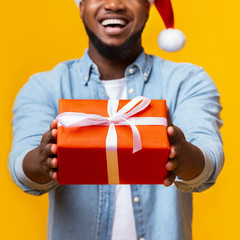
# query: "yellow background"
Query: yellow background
{"points": [[36, 35]]}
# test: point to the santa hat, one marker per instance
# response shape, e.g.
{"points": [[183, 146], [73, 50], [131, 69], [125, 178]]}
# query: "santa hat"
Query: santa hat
{"points": [[170, 39]]}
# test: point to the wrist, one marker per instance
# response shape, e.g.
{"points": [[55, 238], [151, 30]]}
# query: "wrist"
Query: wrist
{"points": [[195, 163]]}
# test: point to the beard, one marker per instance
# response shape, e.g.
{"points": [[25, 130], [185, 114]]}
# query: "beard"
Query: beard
{"points": [[114, 52]]}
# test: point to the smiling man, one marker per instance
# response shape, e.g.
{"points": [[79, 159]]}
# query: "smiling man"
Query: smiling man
{"points": [[114, 28], [115, 66]]}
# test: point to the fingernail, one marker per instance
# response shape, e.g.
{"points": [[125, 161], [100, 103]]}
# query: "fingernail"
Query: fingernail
{"points": [[54, 148], [54, 177], [54, 163], [166, 182], [54, 132]]}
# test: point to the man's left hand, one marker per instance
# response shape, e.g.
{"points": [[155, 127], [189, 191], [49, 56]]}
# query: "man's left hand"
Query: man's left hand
{"points": [[185, 160]]}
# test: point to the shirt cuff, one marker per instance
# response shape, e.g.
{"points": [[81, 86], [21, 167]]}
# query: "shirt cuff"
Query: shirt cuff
{"points": [[27, 181], [189, 185]]}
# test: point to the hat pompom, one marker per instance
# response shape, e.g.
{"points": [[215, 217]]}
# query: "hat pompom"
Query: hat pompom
{"points": [[171, 40]]}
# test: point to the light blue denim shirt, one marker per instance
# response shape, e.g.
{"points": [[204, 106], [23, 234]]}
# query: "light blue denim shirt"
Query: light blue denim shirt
{"points": [[86, 212]]}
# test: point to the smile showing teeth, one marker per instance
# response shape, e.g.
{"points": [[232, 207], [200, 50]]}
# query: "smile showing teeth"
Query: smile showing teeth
{"points": [[113, 22]]}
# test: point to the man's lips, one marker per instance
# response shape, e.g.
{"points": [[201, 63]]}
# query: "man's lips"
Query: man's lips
{"points": [[113, 30]]}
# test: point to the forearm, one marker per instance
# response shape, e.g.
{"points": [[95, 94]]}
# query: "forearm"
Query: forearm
{"points": [[32, 116], [197, 114]]}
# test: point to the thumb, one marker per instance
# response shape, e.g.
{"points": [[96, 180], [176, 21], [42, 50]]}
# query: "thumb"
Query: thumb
{"points": [[54, 124], [168, 117]]}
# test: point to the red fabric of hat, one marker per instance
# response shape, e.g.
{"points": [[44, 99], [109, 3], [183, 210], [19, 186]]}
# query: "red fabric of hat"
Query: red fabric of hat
{"points": [[164, 7]]}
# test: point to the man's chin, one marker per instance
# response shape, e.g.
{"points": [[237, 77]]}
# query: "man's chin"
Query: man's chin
{"points": [[113, 42], [113, 51]]}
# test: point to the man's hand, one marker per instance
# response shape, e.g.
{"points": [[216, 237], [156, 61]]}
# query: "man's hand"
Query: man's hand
{"points": [[185, 160], [40, 164]]}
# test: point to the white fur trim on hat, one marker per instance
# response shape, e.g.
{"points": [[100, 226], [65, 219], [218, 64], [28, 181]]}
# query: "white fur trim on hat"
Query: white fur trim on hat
{"points": [[77, 2]]}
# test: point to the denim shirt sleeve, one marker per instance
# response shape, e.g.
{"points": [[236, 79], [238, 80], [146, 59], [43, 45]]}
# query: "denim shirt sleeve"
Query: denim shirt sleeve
{"points": [[197, 113], [33, 114]]}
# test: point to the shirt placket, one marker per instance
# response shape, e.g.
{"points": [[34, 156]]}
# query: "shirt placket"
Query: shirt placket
{"points": [[138, 212], [97, 89], [105, 212]]}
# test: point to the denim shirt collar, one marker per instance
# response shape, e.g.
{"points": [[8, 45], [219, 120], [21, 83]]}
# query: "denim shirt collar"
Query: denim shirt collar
{"points": [[143, 63]]}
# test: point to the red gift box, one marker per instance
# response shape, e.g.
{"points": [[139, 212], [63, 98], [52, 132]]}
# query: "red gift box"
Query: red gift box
{"points": [[82, 155]]}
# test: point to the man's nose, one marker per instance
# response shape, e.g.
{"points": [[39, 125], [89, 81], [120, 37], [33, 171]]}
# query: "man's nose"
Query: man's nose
{"points": [[114, 5]]}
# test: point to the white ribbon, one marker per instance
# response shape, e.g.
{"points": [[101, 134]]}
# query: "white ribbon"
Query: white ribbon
{"points": [[121, 117]]}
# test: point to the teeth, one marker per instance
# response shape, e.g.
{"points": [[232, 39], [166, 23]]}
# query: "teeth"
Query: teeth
{"points": [[113, 21]]}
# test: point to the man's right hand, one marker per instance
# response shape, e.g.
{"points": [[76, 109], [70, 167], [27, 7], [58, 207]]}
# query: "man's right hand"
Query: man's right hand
{"points": [[40, 164]]}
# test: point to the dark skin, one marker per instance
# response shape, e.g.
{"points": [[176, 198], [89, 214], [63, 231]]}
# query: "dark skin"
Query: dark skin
{"points": [[185, 160], [40, 164]]}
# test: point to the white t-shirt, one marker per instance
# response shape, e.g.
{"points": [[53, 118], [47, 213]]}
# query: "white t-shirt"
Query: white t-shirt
{"points": [[115, 89], [123, 221]]}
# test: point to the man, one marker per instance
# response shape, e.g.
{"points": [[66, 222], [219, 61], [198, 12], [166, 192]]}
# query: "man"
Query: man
{"points": [[115, 66]]}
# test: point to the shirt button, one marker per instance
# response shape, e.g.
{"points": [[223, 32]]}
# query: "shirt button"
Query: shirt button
{"points": [[145, 75], [131, 90], [141, 239], [136, 200], [131, 70], [86, 78]]}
